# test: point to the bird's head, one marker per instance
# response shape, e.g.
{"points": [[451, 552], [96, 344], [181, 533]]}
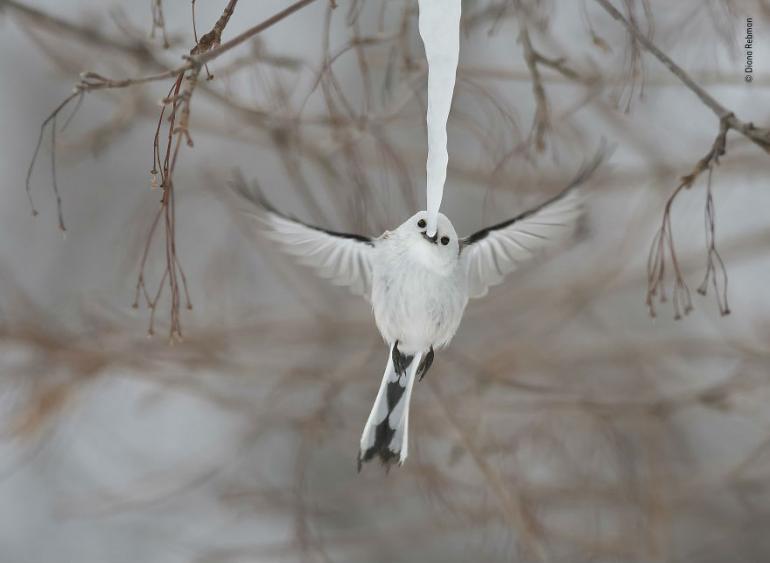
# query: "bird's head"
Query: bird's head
{"points": [[439, 251]]}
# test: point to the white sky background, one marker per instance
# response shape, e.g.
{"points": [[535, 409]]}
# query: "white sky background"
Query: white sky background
{"points": [[117, 478]]}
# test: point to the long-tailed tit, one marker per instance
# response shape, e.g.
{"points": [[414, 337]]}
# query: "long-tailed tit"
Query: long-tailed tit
{"points": [[418, 286]]}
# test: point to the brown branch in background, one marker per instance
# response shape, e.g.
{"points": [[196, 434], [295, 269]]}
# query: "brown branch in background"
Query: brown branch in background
{"points": [[158, 22], [656, 266], [541, 123], [206, 49], [209, 76], [54, 184], [757, 135], [213, 38], [80, 32], [663, 241], [251, 32], [635, 73], [178, 131], [195, 32], [714, 261], [51, 119], [363, 66], [542, 120]]}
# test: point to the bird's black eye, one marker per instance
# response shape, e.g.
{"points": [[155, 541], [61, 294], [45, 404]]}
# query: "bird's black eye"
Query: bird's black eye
{"points": [[444, 240], [421, 223]]}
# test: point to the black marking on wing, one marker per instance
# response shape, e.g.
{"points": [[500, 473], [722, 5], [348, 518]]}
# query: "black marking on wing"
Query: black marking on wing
{"points": [[354, 236], [256, 196], [585, 172]]}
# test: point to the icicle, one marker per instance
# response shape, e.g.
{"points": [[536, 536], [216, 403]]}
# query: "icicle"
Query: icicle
{"points": [[439, 25]]}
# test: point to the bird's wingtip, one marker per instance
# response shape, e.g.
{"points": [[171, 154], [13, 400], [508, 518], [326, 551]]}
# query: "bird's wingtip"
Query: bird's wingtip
{"points": [[603, 152], [250, 194]]}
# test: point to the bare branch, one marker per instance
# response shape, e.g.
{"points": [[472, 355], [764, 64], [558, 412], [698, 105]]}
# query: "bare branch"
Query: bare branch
{"points": [[542, 120], [158, 22], [205, 51], [757, 135], [663, 241], [51, 119]]}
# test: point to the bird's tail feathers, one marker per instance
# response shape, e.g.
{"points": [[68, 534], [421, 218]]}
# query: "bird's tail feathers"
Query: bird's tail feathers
{"points": [[386, 433]]}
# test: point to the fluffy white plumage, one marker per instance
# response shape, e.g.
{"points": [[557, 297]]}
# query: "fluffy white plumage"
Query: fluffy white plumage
{"points": [[343, 259], [494, 252], [419, 286]]}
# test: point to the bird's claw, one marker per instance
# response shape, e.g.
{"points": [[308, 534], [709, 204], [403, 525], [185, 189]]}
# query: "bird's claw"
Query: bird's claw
{"points": [[400, 361], [425, 364]]}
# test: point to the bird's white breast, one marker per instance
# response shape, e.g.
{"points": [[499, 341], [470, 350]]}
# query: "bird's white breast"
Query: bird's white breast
{"points": [[415, 304]]}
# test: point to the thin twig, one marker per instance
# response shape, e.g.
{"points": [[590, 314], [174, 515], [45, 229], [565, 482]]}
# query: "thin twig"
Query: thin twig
{"points": [[757, 135], [158, 22], [542, 121], [663, 241], [50, 119], [207, 49]]}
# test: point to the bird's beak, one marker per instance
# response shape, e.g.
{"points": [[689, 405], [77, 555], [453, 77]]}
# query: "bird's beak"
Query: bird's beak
{"points": [[433, 239]]}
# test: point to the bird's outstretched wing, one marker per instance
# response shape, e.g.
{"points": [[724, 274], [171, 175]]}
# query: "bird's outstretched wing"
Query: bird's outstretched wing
{"points": [[492, 253], [345, 259]]}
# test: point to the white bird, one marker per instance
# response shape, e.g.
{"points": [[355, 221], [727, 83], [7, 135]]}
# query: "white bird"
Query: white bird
{"points": [[418, 286]]}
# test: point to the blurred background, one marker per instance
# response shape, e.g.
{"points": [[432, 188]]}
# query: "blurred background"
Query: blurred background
{"points": [[564, 423]]}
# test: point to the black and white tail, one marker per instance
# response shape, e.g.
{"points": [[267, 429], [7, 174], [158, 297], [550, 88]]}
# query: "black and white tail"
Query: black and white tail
{"points": [[386, 434]]}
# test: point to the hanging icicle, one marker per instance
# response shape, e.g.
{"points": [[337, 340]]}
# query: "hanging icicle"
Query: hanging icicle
{"points": [[439, 25]]}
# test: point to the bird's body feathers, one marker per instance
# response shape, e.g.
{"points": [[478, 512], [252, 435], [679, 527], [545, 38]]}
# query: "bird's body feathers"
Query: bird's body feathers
{"points": [[418, 299]]}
